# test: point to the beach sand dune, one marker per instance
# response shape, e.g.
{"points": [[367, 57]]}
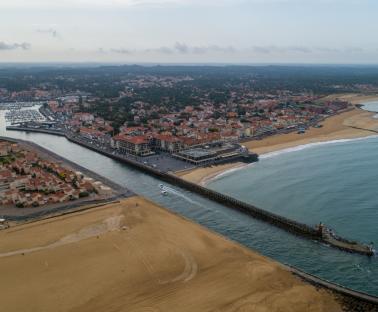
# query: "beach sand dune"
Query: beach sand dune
{"points": [[136, 256]]}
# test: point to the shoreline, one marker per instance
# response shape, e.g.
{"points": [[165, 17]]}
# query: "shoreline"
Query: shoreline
{"points": [[355, 124], [208, 178]]}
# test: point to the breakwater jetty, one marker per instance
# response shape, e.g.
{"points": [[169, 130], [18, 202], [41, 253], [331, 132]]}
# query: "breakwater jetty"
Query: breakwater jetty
{"points": [[320, 233]]}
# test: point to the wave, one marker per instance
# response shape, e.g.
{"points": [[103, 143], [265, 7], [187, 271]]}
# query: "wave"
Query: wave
{"points": [[371, 106], [284, 151], [310, 145], [227, 172]]}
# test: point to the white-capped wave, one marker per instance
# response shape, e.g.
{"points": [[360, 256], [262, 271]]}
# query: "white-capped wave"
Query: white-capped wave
{"points": [[284, 151], [310, 145], [226, 173]]}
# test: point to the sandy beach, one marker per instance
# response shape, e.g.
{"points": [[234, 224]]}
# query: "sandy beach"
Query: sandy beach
{"points": [[203, 175], [356, 123], [136, 256], [349, 125]]}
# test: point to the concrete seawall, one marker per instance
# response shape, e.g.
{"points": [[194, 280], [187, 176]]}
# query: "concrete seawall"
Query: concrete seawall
{"points": [[354, 300], [46, 131]]}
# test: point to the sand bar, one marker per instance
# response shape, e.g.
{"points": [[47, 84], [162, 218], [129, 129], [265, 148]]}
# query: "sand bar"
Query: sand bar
{"points": [[135, 256]]}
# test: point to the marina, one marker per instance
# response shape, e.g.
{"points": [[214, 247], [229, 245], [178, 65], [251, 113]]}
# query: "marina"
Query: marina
{"points": [[19, 105], [16, 116]]}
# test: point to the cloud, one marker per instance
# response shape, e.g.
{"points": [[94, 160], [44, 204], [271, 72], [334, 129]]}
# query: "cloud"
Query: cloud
{"points": [[177, 48], [121, 51], [181, 48], [213, 48], [327, 50], [277, 49], [354, 50], [185, 50], [49, 31], [161, 50], [14, 46]]}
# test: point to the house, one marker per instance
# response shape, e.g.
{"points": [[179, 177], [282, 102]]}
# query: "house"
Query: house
{"points": [[4, 149], [84, 117]]}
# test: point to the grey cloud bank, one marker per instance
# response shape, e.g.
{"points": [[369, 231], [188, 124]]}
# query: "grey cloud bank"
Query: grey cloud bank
{"points": [[14, 46]]}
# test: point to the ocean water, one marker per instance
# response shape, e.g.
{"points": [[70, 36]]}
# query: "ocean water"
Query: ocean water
{"points": [[371, 106], [335, 183]]}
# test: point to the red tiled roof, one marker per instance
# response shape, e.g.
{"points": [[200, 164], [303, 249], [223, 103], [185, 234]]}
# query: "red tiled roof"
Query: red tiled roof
{"points": [[131, 139]]}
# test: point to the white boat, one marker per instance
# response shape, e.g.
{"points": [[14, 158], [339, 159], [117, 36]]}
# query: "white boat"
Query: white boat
{"points": [[161, 186], [164, 193]]}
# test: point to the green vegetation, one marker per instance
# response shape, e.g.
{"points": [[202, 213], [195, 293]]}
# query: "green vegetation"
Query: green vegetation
{"points": [[83, 194], [5, 160]]}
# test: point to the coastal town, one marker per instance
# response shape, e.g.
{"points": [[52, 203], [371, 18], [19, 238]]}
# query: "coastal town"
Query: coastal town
{"points": [[151, 144], [200, 128], [27, 180]]}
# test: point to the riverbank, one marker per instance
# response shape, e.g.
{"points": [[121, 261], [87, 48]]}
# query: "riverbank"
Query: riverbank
{"points": [[110, 258], [356, 123], [51, 156]]}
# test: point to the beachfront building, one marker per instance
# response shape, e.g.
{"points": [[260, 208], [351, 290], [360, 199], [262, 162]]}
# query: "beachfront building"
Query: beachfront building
{"points": [[95, 135], [135, 145], [214, 153], [167, 143]]}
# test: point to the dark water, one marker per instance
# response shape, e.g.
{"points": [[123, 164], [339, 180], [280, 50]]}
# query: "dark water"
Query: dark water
{"points": [[302, 185]]}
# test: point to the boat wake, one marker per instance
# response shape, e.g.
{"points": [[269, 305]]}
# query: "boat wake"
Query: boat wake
{"points": [[170, 190]]}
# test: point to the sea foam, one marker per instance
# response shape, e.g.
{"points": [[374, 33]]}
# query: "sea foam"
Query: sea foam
{"points": [[310, 145]]}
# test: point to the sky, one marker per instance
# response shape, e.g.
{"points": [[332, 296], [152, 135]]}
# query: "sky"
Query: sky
{"points": [[189, 31]]}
